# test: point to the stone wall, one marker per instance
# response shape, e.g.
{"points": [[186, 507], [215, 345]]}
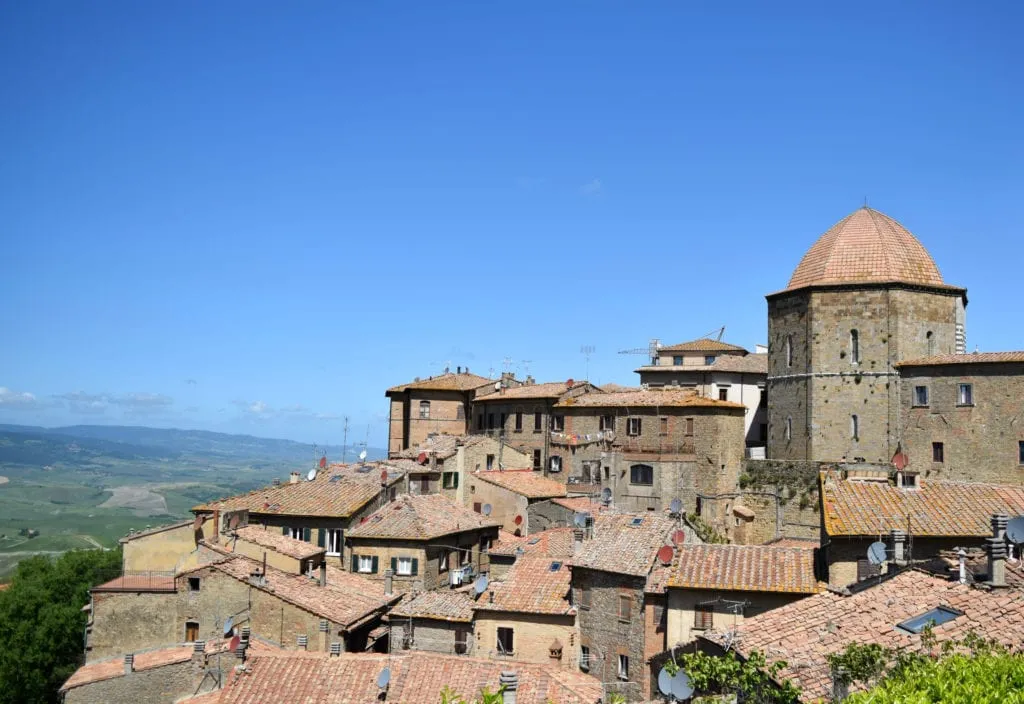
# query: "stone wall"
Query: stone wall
{"points": [[730, 609], [532, 636], [506, 505], [431, 635], [488, 418], [429, 573], [161, 550], [158, 685], [981, 441], [841, 554], [547, 514]]}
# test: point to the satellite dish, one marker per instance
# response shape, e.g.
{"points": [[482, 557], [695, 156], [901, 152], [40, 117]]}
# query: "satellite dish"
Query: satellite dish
{"points": [[665, 682], [665, 554], [480, 585], [676, 506], [518, 520], [227, 626], [877, 553], [486, 509], [362, 456], [312, 475], [1015, 530], [579, 520], [606, 493], [678, 537], [681, 686], [384, 677]]}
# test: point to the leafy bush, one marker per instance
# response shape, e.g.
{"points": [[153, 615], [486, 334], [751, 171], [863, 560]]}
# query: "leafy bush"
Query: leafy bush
{"points": [[988, 678]]}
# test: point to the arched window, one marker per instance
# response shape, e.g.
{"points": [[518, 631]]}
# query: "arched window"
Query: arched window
{"points": [[642, 474], [789, 350], [854, 347], [789, 428], [931, 342], [855, 427]]}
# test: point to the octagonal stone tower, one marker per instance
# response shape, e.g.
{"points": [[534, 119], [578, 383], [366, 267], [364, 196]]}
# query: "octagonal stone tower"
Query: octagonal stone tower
{"points": [[865, 296]]}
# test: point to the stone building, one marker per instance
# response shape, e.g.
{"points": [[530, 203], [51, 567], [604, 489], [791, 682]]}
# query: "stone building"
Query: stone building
{"points": [[650, 446], [320, 511], [438, 404], [609, 580], [716, 369], [918, 519], [527, 615], [509, 494], [438, 621], [961, 416], [561, 512], [423, 540], [865, 296], [160, 550]]}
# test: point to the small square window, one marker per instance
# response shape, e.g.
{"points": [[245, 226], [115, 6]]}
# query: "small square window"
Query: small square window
{"points": [[663, 426], [606, 422], [366, 564], [709, 359], [641, 474], [404, 566], [557, 423], [633, 426], [965, 395], [506, 641], [938, 452], [193, 584], [934, 617], [556, 464], [920, 395], [625, 607], [723, 393], [703, 617], [424, 409], [677, 361]]}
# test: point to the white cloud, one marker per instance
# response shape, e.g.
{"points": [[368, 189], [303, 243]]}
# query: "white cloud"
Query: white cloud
{"points": [[591, 188], [22, 400], [138, 403]]}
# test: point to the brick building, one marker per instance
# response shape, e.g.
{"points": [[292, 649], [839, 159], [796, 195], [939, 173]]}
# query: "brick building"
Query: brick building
{"points": [[438, 404], [422, 540], [454, 457], [438, 621], [961, 416], [716, 369], [509, 494], [553, 543], [865, 296]]}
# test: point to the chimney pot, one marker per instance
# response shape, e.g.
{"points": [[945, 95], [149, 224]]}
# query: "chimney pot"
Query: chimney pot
{"points": [[458, 370], [899, 544], [509, 682], [293, 478], [389, 578], [323, 573], [302, 641], [577, 539], [199, 646], [335, 649], [999, 521], [129, 663], [240, 652]]}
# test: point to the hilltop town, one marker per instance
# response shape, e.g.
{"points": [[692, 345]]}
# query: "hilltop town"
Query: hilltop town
{"points": [[854, 481]]}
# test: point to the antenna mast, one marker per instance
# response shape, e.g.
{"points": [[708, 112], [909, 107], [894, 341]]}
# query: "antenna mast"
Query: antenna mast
{"points": [[586, 351], [344, 444]]}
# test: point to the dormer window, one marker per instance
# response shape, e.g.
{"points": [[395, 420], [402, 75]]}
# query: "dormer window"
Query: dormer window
{"points": [[907, 480]]}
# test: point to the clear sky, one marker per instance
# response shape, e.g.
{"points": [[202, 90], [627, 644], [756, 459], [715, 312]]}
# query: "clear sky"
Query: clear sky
{"points": [[256, 216]]}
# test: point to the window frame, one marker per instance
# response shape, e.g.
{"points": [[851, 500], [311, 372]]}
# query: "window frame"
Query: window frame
{"points": [[557, 422], [449, 480], [623, 667], [538, 460], [334, 535], [854, 346], [518, 428], [625, 610], [634, 426], [505, 633], [294, 533], [709, 359], [918, 395], [663, 425], [194, 584], [369, 564], [938, 452], [552, 462], [645, 471], [960, 396], [703, 617], [538, 421], [788, 430], [191, 627], [677, 360], [723, 393], [855, 427], [489, 462], [424, 410], [606, 421], [789, 350], [586, 597], [1020, 452], [398, 567]]}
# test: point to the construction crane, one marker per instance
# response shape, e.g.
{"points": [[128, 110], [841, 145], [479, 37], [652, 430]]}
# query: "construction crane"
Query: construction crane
{"points": [[651, 350]]}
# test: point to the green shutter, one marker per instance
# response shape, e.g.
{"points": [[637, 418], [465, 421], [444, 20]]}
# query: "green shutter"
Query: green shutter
{"points": [[321, 537], [355, 562], [306, 534], [284, 531], [373, 567], [415, 566], [394, 565], [455, 480]]}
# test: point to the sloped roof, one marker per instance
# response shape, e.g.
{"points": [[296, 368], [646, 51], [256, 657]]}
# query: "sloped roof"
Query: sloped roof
{"points": [[112, 668], [137, 583], [442, 446], [419, 517], [651, 398], [553, 542], [533, 585], [619, 545], [756, 363], [866, 247], [273, 539], [441, 604], [748, 568], [937, 508], [417, 677], [581, 504], [804, 633], [527, 482], [703, 344], [550, 389], [444, 382], [154, 530], [937, 360], [337, 492]]}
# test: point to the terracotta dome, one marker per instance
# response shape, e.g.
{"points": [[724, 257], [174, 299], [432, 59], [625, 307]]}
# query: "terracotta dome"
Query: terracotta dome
{"points": [[866, 247]]}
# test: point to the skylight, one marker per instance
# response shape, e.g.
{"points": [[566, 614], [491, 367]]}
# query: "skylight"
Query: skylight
{"points": [[637, 521], [534, 540], [934, 617], [555, 566]]}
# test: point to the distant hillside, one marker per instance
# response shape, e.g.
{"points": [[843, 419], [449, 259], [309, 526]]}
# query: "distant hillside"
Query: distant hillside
{"points": [[33, 445]]}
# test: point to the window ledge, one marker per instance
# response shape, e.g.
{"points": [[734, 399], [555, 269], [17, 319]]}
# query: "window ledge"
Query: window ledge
{"points": [[965, 405], [918, 405], [333, 554]]}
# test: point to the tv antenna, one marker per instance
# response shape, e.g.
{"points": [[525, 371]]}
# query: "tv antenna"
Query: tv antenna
{"points": [[651, 350], [344, 443], [586, 351]]}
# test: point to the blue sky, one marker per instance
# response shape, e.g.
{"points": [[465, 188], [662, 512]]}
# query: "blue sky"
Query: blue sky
{"points": [[254, 217]]}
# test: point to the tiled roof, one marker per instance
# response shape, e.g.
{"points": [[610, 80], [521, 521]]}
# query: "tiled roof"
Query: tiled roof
{"points": [[651, 398], [112, 668], [141, 582], [533, 585], [531, 484], [553, 542], [416, 678], [551, 389], [749, 568], [938, 508], [581, 504], [970, 358], [702, 344], [748, 364], [805, 632], [442, 446], [864, 247], [802, 543], [947, 564], [444, 382], [346, 599], [442, 604], [657, 579], [276, 541], [324, 496], [153, 531], [620, 546], [609, 388], [419, 517]]}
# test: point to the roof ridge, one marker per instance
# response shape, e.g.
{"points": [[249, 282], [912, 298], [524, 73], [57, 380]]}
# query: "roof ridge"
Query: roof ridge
{"points": [[878, 231]]}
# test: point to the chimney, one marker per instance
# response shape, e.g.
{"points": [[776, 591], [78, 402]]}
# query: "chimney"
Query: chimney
{"points": [[962, 556], [323, 574], [458, 370], [129, 663], [302, 641], [293, 478], [335, 649], [899, 546], [530, 380], [276, 482], [996, 549], [199, 652], [215, 537], [244, 636], [509, 683], [389, 577], [577, 540], [240, 652]]}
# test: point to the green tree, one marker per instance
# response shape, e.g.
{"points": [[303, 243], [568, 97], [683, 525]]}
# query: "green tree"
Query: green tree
{"points": [[752, 679], [989, 677], [42, 625]]}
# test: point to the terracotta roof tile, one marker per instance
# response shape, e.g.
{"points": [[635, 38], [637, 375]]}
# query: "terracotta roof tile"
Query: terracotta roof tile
{"points": [[274, 539], [802, 543], [155, 530], [338, 492], [753, 568], [553, 542], [581, 504], [419, 517], [533, 585], [748, 364], [416, 678], [805, 632], [112, 668], [531, 484], [625, 543], [442, 604], [702, 344], [650, 398], [971, 358], [938, 508], [143, 582], [551, 389], [445, 382], [442, 446]]}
